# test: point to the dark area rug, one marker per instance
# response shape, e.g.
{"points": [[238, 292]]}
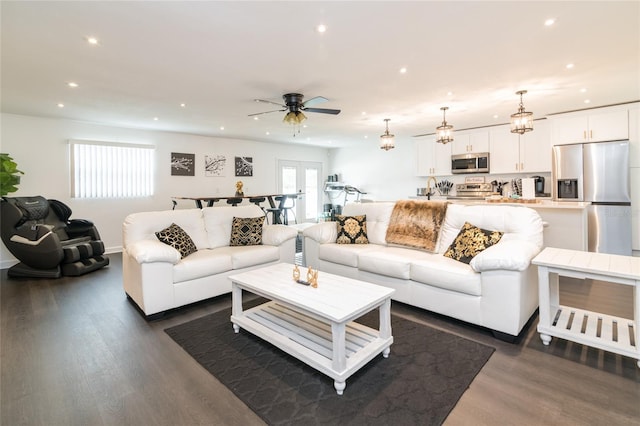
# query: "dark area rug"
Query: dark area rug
{"points": [[419, 384]]}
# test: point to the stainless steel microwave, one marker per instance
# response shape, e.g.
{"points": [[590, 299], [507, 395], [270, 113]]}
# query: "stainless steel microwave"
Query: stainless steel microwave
{"points": [[470, 163]]}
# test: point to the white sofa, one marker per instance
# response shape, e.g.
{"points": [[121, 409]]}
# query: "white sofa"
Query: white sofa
{"points": [[157, 279], [497, 290]]}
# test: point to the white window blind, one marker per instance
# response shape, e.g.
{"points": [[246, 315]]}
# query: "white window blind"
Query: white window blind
{"points": [[111, 170]]}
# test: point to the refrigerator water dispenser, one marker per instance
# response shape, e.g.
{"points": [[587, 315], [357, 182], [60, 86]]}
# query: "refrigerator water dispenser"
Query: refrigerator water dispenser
{"points": [[568, 189]]}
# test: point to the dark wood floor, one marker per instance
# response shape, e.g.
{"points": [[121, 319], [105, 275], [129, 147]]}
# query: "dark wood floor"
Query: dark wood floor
{"points": [[74, 351]]}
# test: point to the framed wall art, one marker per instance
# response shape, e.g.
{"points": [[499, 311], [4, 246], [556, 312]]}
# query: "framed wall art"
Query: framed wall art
{"points": [[215, 165], [244, 166], [182, 164]]}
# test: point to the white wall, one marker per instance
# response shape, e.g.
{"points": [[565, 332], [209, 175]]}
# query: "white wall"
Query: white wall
{"points": [[384, 175], [40, 147]]}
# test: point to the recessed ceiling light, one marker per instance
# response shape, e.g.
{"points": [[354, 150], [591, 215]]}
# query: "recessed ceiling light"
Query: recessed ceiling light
{"points": [[403, 70], [60, 105], [495, 116], [92, 40], [256, 118], [321, 28], [583, 90], [267, 133], [569, 66], [155, 118], [183, 105], [449, 93], [549, 22], [221, 127], [364, 113], [72, 84], [587, 101], [366, 136]]}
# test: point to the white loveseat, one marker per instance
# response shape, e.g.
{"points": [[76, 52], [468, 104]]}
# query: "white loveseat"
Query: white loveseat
{"points": [[158, 279], [497, 290]]}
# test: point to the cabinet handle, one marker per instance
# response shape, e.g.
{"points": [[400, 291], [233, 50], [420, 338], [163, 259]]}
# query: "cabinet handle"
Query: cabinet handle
{"points": [[521, 166], [516, 166], [590, 134], [584, 135]]}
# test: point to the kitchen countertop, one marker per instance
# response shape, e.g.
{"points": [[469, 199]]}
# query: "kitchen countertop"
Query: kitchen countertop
{"points": [[541, 203]]}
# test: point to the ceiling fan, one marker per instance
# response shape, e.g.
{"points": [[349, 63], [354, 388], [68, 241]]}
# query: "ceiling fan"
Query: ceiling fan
{"points": [[294, 106]]}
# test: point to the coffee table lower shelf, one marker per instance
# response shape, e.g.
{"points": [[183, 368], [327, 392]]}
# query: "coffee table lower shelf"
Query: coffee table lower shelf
{"points": [[313, 340]]}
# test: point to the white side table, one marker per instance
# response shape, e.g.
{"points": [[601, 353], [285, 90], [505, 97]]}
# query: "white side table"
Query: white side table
{"points": [[606, 332]]}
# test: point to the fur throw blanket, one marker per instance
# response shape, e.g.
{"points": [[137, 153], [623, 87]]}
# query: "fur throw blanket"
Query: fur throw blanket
{"points": [[416, 224]]}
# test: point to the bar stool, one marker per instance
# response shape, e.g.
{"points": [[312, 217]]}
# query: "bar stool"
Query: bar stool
{"points": [[276, 211], [234, 201], [257, 201], [289, 207]]}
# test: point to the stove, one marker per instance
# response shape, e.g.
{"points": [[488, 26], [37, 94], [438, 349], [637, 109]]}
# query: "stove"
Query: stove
{"points": [[472, 191]]}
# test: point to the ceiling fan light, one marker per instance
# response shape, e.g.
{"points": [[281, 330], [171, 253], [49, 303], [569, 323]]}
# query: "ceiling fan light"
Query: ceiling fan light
{"points": [[294, 117], [444, 132], [387, 140], [521, 121]]}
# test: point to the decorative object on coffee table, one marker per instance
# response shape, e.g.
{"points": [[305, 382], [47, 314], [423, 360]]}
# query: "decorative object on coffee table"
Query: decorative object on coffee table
{"points": [[296, 273]]}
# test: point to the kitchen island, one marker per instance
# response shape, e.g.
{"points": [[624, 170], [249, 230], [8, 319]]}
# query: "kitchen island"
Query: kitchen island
{"points": [[566, 223]]}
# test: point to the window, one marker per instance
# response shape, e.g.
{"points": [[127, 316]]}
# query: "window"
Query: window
{"points": [[111, 170]]}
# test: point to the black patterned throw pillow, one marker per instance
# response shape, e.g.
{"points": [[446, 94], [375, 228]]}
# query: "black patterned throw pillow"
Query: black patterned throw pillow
{"points": [[177, 238], [470, 241], [352, 229], [246, 231]]}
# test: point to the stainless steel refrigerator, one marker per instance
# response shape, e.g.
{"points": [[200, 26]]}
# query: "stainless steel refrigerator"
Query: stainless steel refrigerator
{"points": [[598, 173]]}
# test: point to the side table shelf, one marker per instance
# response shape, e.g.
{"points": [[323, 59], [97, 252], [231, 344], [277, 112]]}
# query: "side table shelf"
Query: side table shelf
{"points": [[593, 329], [598, 330]]}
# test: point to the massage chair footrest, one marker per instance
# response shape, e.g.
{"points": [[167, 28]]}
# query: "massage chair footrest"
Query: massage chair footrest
{"points": [[84, 266]]}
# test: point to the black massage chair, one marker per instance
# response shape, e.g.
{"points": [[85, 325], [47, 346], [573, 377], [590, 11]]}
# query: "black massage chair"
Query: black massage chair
{"points": [[40, 235]]}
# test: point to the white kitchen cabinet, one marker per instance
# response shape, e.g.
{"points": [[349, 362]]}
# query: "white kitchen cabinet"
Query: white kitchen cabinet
{"points": [[635, 208], [606, 124], [513, 153], [472, 141], [634, 174], [634, 137], [432, 159], [536, 148]]}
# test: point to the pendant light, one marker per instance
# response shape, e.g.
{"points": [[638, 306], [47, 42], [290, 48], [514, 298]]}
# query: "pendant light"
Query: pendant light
{"points": [[521, 121], [386, 139], [444, 131]]}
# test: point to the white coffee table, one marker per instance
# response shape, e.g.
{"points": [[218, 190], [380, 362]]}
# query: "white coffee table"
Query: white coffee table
{"points": [[315, 325]]}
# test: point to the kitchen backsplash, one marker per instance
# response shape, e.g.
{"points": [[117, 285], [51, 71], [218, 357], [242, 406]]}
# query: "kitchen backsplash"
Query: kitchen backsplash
{"points": [[488, 178]]}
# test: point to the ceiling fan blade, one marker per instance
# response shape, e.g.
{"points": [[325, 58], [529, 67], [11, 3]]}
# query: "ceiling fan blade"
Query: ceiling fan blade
{"points": [[314, 101], [267, 112], [322, 110], [269, 102]]}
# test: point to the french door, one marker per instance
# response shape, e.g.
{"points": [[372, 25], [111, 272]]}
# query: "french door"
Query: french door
{"points": [[304, 177]]}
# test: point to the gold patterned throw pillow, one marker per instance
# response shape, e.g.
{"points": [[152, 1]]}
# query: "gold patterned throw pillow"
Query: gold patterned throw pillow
{"points": [[246, 231], [470, 241], [177, 238], [352, 229]]}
